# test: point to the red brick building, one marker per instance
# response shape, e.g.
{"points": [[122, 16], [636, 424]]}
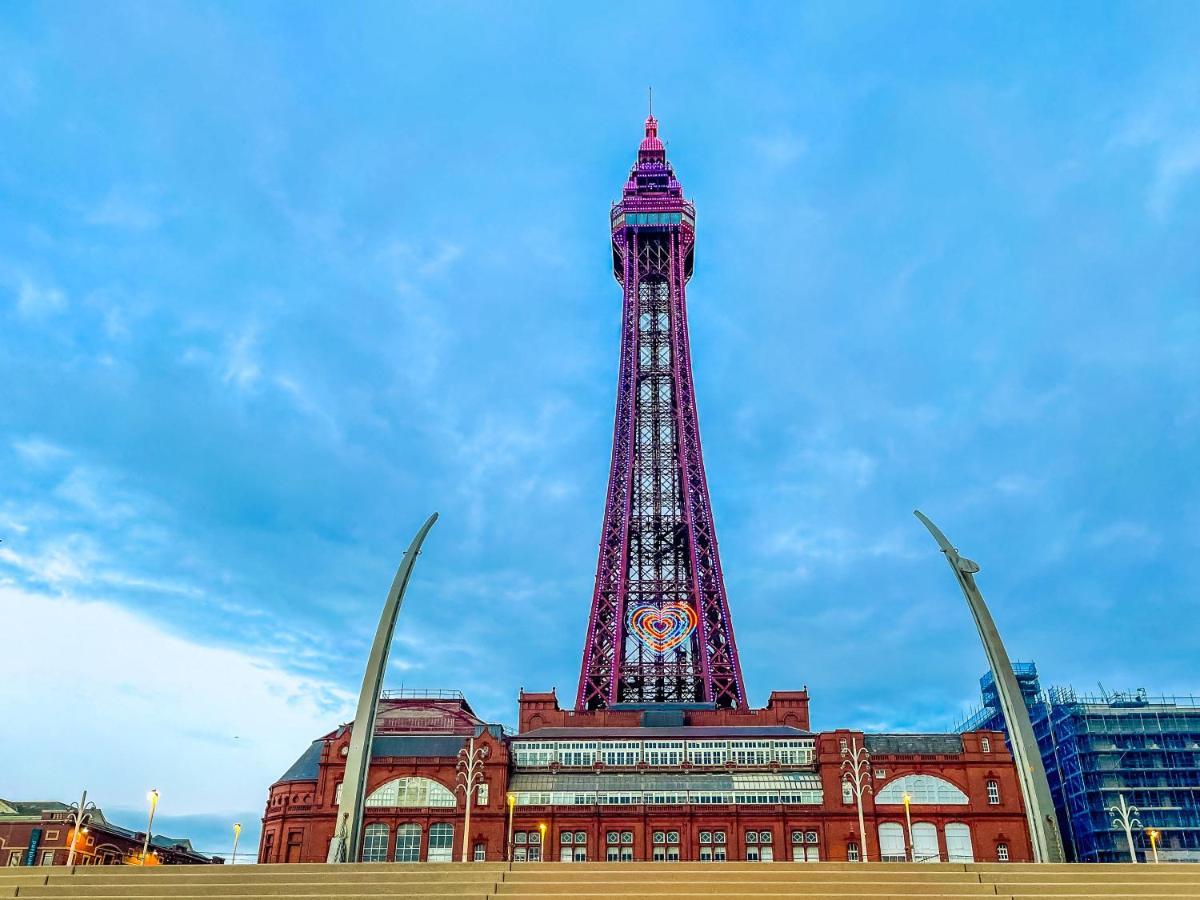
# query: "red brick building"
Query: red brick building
{"points": [[659, 782], [41, 833]]}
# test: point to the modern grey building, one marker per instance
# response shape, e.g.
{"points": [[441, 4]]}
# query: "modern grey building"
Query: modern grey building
{"points": [[1096, 748]]}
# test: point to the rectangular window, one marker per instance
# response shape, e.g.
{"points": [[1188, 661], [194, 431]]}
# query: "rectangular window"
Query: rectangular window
{"points": [[1002, 852], [47, 857], [758, 846], [441, 843], [480, 852], [666, 846], [852, 853], [993, 793], [408, 843]]}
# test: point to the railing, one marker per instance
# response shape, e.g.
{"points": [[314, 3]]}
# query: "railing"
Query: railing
{"points": [[404, 693]]}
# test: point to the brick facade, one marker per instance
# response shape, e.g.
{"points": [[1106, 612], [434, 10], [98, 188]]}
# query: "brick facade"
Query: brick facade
{"points": [[299, 820]]}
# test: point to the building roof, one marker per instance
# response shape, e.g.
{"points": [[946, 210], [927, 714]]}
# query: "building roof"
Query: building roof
{"points": [[30, 807], [307, 766], [927, 744], [650, 733], [414, 745]]}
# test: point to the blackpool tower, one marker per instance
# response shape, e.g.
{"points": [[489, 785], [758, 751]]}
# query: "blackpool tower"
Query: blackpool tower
{"points": [[659, 630]]}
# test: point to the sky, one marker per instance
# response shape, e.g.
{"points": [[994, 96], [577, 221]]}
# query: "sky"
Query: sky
{"points": [[279, 280]]}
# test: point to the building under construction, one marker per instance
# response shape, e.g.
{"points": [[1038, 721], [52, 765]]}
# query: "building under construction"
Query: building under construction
{"points": [[1099, 747]]}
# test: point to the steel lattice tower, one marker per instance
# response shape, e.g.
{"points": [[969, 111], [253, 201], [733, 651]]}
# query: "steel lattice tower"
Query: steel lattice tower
{"points": [[659, 630]]}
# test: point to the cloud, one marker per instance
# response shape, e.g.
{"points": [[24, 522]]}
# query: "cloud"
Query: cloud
{"points": [[38, 452], [241, 366], [126, 208], [36, 301], [1178, 162], [781, 149], [209, 726]]}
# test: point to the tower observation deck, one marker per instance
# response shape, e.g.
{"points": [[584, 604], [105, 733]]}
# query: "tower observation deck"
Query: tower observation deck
{"points": [[659, 630]]}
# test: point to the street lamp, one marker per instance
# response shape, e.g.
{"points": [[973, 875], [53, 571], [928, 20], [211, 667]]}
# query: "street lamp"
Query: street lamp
{"points": [[512, 805], [80, 816], [153, 798], [542, 831], [470, 774], [1125, 817], [237, 833], [1153, 833], [856, 772], [912, 851]]}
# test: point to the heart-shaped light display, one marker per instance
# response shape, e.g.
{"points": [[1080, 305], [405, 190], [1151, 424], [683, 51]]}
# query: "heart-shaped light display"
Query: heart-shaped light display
{"points": [[663, 628]]}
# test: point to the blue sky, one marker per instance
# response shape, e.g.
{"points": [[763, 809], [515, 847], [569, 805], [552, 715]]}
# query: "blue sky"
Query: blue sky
{"points": [[276, 281]]}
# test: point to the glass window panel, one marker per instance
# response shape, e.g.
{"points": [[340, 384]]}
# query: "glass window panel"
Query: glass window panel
{"points": [[375, 843], [958, 843], [408, 843]]}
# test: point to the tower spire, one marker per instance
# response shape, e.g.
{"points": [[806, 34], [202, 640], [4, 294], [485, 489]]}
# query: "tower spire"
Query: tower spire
{"points": [[659, 630]]}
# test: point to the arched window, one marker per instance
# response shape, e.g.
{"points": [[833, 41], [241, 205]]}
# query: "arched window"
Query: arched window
{"points": [[925, 843], [375, 843], [408, 843], [993, 792], [891, 842], [411, 792], [441, 843], [958, 843], [921, 789]]}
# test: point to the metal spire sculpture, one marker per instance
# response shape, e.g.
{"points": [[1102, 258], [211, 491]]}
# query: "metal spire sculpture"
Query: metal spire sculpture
{"points": [[660, 630], [345, 844], [1031, 773]]}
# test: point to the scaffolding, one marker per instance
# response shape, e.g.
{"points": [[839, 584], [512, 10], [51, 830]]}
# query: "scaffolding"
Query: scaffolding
{"points": [[1097, 747]]}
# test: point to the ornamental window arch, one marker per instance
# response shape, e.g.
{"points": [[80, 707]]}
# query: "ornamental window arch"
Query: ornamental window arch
{"points": [[922, 789], [411, 791]]}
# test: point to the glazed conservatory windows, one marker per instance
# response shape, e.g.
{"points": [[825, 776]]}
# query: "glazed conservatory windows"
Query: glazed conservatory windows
{"points": [[703, 754], [409, 792], [664, 753], [921, 789], [628, 753], [707, 753]]}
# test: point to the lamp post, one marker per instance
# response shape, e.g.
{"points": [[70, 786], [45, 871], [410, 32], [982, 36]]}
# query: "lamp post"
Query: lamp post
{"points": [[542, 832], [912, 851], [153, 798], [470, 774], [80, 816], [512, 805], [1125, 817], [237, 833], [856, 772]]}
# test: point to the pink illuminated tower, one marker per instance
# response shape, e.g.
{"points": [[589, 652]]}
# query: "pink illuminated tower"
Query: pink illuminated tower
{"points": [[659, 630]]}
